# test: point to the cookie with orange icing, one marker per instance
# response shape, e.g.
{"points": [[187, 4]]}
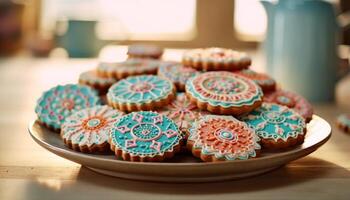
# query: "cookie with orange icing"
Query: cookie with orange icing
{"points": [[214, 59], [266, 83], [224, 92], [183, 112], [88, 130], [99, 83], [222, 138], [144, 51], [291, 100]]}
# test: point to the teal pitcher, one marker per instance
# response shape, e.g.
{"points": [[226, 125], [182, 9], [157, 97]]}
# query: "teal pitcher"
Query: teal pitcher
{"points": [[301, 46]]}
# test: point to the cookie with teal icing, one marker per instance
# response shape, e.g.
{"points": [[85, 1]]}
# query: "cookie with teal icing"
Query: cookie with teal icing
{"points": [[61, 101], [266, 83], [99, 83], [222, 138], [291, 100], [177, 73], [87, 130], [277, 126], [145, 92], [343, 122], [145, 136], [224, 92]]}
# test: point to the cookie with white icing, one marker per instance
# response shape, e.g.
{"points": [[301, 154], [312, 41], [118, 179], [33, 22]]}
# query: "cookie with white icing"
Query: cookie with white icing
{"points": [[291, 100], [224, 92], [130, 67], [214, 59], [144, 51], [177, 73], [88, 130], [266, 83], [61, 101], [222, 138], [145, 137], [92, 79], [278, 126], [136, 93]]}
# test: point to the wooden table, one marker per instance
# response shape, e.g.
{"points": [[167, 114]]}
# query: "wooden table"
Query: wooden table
{"points": [[27, 171]]}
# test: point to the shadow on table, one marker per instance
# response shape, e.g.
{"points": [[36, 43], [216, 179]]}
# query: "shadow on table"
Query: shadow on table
{"points": [[300, 171]]}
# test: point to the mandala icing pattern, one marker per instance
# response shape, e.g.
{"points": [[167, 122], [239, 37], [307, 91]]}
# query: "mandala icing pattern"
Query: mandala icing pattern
{"points": [[291, 100], [176, 72], [259, 78], [140, 89], [225, 138], [224, 88], [90, 126], [61, 101], [273, 121], [219, 55], [183, 112], [145, 134]]}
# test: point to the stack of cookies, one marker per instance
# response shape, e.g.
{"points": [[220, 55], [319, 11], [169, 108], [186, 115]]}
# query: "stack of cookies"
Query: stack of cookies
{"points": [[210, 105]]}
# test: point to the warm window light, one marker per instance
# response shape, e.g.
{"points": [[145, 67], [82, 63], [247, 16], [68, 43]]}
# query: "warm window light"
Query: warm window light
{"points": [[128, 20], [249, 20]]}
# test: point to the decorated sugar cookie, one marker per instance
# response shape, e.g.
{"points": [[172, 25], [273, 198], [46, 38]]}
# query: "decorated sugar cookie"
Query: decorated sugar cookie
{"points": [[130, 67], [61, 101], [144, 92], [291, 100], [343, 122], [224, 93], [88, 130], [145, 136], [266, 83], [183, 112], [220, 138], [177, 73], [144, 51], [277, 126], [92, 79], [213, 59]]}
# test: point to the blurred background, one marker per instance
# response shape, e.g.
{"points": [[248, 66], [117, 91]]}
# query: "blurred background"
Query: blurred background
{"points": [[303, 35]]}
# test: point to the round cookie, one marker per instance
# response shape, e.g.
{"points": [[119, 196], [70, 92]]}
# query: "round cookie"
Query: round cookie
{"points": [[88, 130], [277, 126], [144, 51], [291, 100], [92, 79], [145, 136], [183, 112], [177, 73], [221, 138], [343, 122], [224, 93], [214, 59], [146, 92], [130, 67], [61, 101], [266, 83]]}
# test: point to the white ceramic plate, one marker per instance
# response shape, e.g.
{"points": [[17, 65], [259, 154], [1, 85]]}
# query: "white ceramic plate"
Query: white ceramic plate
{"points": [[184, 168]]}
